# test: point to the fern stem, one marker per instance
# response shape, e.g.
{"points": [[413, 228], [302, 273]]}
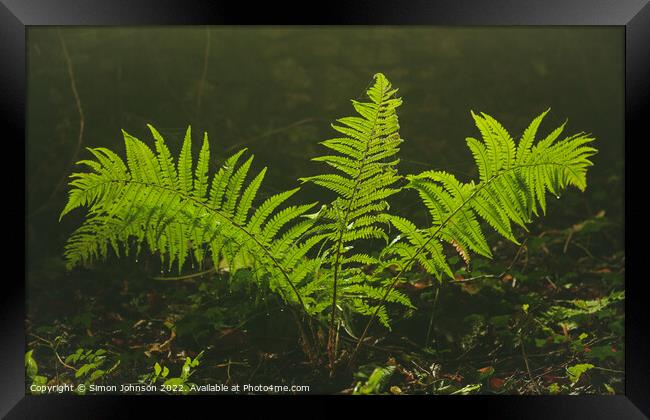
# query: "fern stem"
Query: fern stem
{"points": [[433, 314]]}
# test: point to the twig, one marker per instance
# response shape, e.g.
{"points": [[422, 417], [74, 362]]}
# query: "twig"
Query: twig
{"points": [[53, 348], [62, 362], [186, 277], [494, 276], [270, 133], [259, 363], [587, 251], [206, 55], [75, 93], [512, 263], [548, 279], [523, 353], [482, 276], [568, 239], [608, 370], [433, 312]]}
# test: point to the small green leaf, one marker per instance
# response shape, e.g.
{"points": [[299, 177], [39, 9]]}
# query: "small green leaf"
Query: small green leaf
{"points": [[177, 384], [576, 371], [467, 389], [73, 358], [377, 380], [39, 380], [185, 373], [31, 365], [157, 368], [96, 375], [83, 370]]}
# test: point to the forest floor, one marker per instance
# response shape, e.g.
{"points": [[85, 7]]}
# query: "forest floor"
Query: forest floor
{"points": [[544, 317]]}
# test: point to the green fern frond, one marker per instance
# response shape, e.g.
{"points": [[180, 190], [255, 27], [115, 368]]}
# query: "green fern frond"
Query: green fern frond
{"points": [[164, 205], [365, 176], [512, 187]]}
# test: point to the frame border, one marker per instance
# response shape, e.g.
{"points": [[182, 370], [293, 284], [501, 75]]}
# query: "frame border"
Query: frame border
{"points": [[634, 15]]}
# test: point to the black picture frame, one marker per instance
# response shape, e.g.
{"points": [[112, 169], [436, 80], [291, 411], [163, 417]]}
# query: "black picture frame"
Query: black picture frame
{"points": [[634, 15]]}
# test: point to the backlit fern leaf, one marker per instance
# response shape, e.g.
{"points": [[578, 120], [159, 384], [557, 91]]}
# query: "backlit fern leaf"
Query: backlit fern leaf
{"points": [[512, 186], [365, 175], [176, 210]]}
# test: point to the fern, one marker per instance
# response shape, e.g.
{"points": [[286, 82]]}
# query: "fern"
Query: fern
{"points": [[512, 187], [177, 211], [184, 212], [365, 174]]}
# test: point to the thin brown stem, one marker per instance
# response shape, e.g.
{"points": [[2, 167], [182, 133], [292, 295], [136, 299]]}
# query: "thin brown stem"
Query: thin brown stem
{"points": [[51, 346], [206, 55], [525, 357], [433, 313], [186, 277], [270, 133], [82, 122], [494, 276]]}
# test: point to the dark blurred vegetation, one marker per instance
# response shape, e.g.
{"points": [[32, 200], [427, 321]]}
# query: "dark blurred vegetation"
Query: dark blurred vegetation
{"points": [[530, 321]]}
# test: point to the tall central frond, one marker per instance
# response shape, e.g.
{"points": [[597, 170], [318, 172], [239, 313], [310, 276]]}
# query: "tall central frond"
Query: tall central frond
{"points": [[365, 175]]}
